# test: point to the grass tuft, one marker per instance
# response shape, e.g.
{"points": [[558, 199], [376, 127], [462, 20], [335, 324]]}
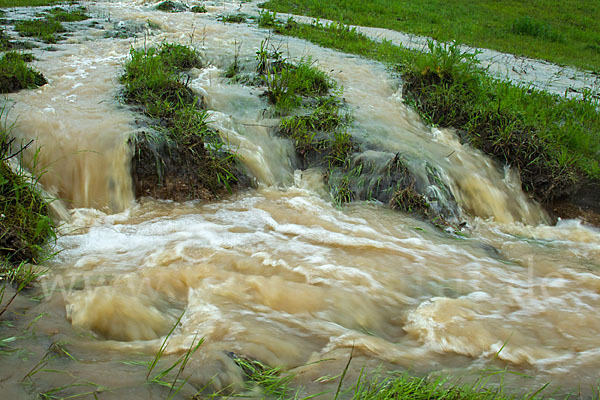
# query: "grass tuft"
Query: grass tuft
{"points": [[198, 9], [185, 152], [16, 75], [62, 15], [31, 3], [45, 29], [320, 137], [171, 6], [234, 18]]}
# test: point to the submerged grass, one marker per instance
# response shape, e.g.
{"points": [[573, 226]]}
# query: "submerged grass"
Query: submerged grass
{"points": [[563, 32], [553, 141], [276, 383], [45, 29], [49, 28]]}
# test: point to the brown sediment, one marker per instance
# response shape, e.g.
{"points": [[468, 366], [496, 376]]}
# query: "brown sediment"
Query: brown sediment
{"points": [[583, 204]]}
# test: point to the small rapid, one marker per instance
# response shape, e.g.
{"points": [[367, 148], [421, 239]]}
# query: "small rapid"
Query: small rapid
{"points": [[278, 272]]}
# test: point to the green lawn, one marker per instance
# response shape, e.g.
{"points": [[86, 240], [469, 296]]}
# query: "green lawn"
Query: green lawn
{"points": [[30, 3], [564, 32]]}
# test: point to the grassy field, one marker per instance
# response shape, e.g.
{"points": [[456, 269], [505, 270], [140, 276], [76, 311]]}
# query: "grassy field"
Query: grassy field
{"points": [[554, 142], [31, 3], [563, 32]]}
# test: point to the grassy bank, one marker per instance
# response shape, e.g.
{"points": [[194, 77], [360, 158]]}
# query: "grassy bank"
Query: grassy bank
{"points": [[561, 32], [15, 74], [25, 224], [554, 142], [181, 158]]}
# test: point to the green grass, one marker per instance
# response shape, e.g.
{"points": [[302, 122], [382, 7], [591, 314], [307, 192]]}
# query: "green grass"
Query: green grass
{"points": [[45, 29], [153, 80], [48, 28], [7, 44], [31, 3], [15, 74], [320, 137], [564, 32], [288, 85], [25, 225], [553, 141], [234, 18], [171, 6], [62, 15], [198, 9], [275, 383]]}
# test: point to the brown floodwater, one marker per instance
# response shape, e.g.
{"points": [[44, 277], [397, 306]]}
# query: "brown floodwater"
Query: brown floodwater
{"points": [[278, 272]]}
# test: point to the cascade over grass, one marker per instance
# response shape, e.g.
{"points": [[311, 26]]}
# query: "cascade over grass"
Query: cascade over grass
{"points": [[553, 141], [182, 159], [318, 128], [564, 32]]}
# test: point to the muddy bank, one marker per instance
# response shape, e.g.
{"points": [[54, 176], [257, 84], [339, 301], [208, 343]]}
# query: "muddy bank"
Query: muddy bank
{"points": [[584, 204]]}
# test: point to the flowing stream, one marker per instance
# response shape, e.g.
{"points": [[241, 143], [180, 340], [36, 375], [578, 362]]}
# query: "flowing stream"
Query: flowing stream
{"points": [[278, 273]]}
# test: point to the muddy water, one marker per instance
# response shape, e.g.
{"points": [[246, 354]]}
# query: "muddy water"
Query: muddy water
{"points": [[277, 273]]}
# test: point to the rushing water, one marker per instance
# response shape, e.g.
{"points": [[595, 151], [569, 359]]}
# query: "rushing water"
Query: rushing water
{"points": [[278, 273]]}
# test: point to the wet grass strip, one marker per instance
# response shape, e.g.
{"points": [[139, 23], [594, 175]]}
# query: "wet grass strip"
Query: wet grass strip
{"points": [[181, 158], [561, 32], [274, 382], [49, 28], [553, 141]]}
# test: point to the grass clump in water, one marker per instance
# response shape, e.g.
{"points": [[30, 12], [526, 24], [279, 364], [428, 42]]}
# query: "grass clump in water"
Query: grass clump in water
{"points": [[15, 74], [185, 159], [49, 28], [62, 15], [288, 85], [235, 18], [171, 6], [45, 29], [199, 9], [320, 137], [273, 382]]}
